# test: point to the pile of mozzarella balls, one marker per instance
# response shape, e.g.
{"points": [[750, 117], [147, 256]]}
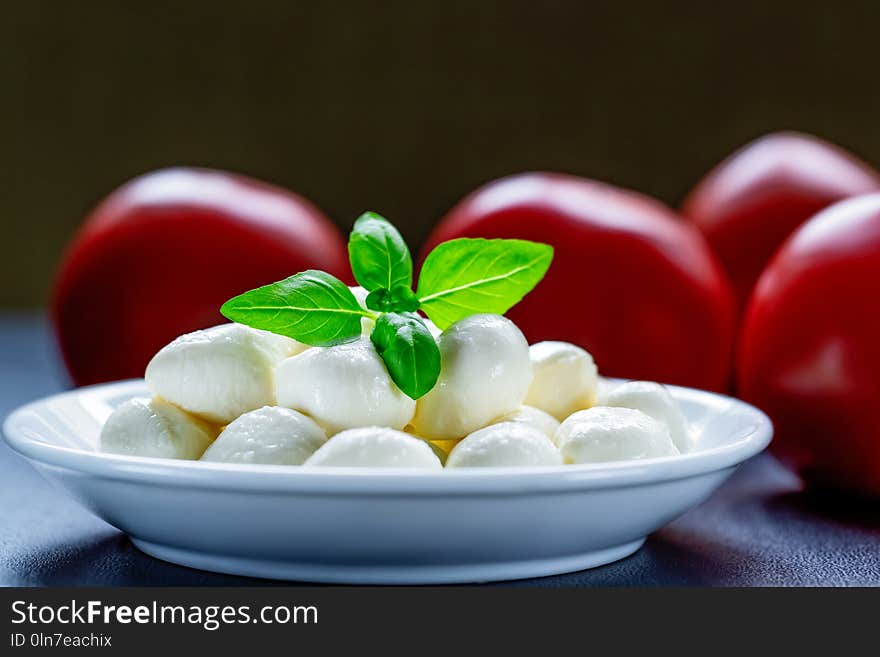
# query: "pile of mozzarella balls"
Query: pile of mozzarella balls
{"points": [[235, 394]]}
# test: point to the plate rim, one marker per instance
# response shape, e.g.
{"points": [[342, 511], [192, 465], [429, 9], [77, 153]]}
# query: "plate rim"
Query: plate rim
{"points": [[386, 481]]}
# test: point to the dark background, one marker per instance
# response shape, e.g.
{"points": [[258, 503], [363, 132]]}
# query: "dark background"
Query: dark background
{"points": [[404, 107]]}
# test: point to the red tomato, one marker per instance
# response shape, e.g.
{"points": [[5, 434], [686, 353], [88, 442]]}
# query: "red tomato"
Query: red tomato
{"points": [[160, 255], [747, 205], [630, 281], [810, 350]]}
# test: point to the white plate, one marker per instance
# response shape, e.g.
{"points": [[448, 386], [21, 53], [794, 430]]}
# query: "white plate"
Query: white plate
{"points": [[380, 525]]}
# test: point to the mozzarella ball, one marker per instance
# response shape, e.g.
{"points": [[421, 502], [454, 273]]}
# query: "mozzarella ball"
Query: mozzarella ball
{"points": [[269, 435], [280, 344], [375, 447], [565, 379], [153, 427], [343, 387], [533, 417], [504, 445], [221, 372], [612, 434], [654, 400], [485, 372]]}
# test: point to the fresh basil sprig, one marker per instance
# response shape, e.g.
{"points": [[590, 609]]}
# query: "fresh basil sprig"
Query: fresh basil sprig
{"points": [[313, 307], [399, 298], [379, 257], [459, 278], [467, 276], [409, 351]]}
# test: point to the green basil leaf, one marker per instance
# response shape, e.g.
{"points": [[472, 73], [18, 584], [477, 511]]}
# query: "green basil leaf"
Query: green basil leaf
{"points": [[379, 256], [467, 276], [409, 351], [312, 307], [399, 299]]}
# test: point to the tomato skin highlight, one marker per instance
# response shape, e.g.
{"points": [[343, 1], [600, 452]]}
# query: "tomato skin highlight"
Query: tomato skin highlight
{"points": [[810, 347], [630, 281], [748, 204], [160, 254]]}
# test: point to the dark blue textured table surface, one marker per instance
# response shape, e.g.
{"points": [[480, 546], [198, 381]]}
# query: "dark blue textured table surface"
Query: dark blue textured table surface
{"points": [[758, 529]]}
